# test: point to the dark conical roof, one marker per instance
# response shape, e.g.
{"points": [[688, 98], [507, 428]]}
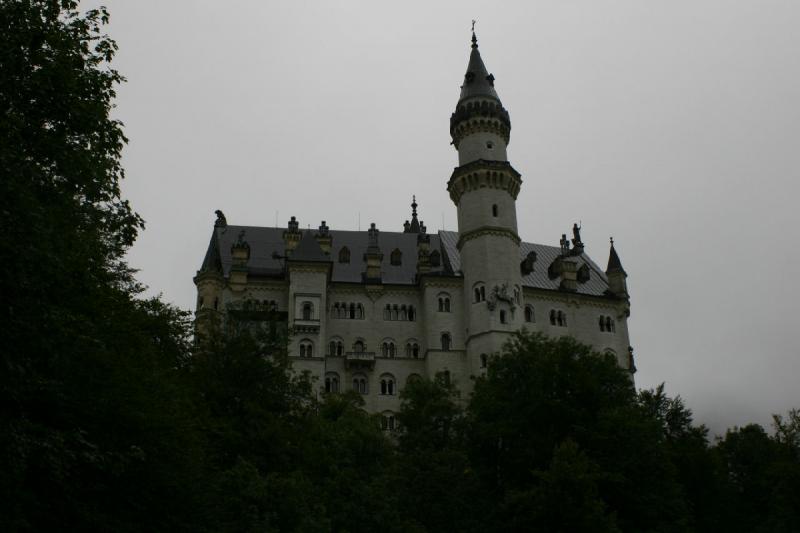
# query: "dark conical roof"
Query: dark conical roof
{"points": [[309, 250], [212, 259], [477, 80], [614, 264]]}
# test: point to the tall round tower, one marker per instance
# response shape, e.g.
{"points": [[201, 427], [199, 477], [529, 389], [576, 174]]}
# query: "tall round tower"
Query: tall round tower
{"points": [[484, 188]]}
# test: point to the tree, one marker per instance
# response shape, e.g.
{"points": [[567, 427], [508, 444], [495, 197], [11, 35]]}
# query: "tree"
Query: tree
{"points": [[434, 474], [94, 427], [541, 394]]}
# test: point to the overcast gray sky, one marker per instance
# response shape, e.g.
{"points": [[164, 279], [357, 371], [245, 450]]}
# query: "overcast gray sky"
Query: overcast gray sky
{"points": [[671, 125]]}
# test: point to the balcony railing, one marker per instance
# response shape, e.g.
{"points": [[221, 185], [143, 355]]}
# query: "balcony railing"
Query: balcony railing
{"points": [[360, 359], [305, 326]]}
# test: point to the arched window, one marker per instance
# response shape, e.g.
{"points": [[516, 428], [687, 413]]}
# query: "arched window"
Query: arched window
{"points": [[529, 314], [387, 348], [395, 312], [494, 210], [441, 305], [484, 360], [444, 302], [446, 377], [336, 347], [552, 317], [306, 348], [387, 312], [403, 313], [602, 323], [609, 324], [352, 310], [344, 255], [435, 258], [216, 304], [445, 342], [331, 382], [479, 292], [358, 346], [396, 259], [502, 317], [387, 385], [360, 312], [412, 313], [360, 384], [308, 311], [388, 422]]}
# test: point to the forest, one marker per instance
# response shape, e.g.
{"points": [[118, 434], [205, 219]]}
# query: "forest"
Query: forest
{"points": [[117, 415]]}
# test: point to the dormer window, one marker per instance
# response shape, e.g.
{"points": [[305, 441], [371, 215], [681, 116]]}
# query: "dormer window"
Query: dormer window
{"points": [[344, 255], [435, 258], [396, 257]]}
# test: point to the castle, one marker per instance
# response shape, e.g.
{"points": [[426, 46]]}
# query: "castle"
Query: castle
{"points": [[371, 310]]}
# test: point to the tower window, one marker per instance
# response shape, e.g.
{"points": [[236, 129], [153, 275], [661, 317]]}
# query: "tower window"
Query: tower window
{"points": [[360, 384], [489, 145], [387, 385], [446, 342], [308, 311], [529, 314], [306, 348], [502, 317], [332, 382], [558, 318], [494, 210], [480, 292], [484, 360]]}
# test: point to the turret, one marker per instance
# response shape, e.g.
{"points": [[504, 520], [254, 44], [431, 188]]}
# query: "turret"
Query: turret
{"points": [[373, 256], [324, 238], [617, 284], [240, 255], [484, 188], [291, 236]]}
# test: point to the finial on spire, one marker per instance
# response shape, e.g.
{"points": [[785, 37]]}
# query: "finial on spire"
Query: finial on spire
{"points": [[612, 240], [414, 206], [474, 38]]}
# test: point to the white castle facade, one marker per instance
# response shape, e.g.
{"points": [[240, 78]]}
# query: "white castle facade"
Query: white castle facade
{"points": [[371, 310]]}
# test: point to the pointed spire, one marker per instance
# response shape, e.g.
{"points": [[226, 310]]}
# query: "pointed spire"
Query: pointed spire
{"points": [[614, 264], [477, 80], [415, 226], [309, 250]]}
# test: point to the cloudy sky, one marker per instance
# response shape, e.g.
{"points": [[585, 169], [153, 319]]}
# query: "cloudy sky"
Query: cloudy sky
{"points": [[672, 125]]}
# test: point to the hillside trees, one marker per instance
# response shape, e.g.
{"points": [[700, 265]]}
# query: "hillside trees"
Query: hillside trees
{"points": [[92, 421]]}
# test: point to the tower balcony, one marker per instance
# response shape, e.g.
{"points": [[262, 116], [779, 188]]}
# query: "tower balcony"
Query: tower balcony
{"points": [[363, 360], [306, 326]]}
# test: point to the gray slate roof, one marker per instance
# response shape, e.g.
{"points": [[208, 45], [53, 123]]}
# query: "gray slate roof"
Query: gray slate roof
{"points": [[266, 241], [479, 85]]}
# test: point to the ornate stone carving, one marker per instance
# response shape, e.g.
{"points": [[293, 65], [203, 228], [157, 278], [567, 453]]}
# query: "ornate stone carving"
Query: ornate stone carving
{"points": [[500, 293]]}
